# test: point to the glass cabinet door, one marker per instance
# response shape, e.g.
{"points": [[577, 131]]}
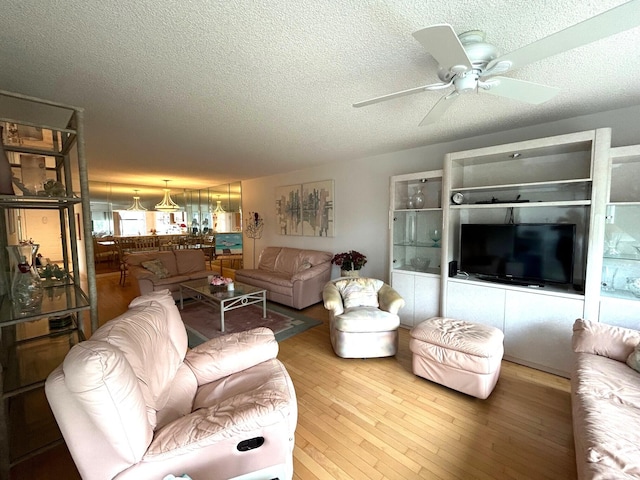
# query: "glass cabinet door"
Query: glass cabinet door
{"points": [[416, 223], [621, 262]]}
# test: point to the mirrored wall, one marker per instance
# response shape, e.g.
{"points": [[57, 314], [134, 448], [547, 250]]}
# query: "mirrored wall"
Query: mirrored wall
{"points": [[130, 210]]}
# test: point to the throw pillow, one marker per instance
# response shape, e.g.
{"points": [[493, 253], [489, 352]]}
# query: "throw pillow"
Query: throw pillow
{"points": [[633, 360], [156, 267], [304, 266], [359, 292]]}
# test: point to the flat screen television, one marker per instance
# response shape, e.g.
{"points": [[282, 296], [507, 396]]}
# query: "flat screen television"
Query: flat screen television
{"points": [[524, 254]]}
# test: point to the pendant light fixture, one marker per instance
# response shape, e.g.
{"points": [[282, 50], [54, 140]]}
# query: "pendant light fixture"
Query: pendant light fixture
{"points": [[219, 208], [167, 205], [136, 207]]}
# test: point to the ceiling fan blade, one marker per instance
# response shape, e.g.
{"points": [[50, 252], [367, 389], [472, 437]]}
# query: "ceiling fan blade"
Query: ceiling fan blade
{"points": [[616, 20], [521, 90], [390, 96], [439, 108], [444, 45]]}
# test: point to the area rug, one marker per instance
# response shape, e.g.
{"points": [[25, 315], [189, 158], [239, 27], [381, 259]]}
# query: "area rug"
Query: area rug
{"points": [[203, 321]]}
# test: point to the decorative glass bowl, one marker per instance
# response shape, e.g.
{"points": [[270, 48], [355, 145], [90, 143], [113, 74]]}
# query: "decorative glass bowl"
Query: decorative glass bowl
{"points": [[633, 284], [420, 264]]}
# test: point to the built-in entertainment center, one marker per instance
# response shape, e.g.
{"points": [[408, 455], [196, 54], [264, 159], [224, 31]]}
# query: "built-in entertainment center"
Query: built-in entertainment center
{"points": [[530, 235], [521, 220], [534, 235]]}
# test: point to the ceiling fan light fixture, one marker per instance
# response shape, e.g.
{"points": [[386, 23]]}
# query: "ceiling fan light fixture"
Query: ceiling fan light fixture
{"points": [[466, 83], [167, 204]]}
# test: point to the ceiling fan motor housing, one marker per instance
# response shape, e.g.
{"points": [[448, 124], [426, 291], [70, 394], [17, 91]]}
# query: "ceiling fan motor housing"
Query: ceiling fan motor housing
{"points": [[466, 82], [479, 52]]}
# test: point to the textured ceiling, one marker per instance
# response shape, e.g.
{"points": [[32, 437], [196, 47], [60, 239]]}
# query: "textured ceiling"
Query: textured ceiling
{"points": [[205, 92]]}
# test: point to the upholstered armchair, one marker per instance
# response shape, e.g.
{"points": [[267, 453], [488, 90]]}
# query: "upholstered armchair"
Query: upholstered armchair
{"points": [[133, 402], [363, 314]]}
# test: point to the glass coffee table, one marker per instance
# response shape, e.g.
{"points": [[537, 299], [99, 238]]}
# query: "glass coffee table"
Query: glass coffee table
{"points": [[241, 296]]}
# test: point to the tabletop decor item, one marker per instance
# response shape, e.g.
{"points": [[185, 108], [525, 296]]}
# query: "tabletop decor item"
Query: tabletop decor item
{"points": [[253, 229], [418, 198], [420, 263], [633, 284], [26, 287], [218, 283], [349, 262]]}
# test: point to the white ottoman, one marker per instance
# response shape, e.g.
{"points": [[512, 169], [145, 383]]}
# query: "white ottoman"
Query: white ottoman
{"points": [[460, 355]]}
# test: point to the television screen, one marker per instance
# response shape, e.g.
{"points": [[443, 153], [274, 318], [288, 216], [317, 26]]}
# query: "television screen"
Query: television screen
{"points": [[536, 253]]}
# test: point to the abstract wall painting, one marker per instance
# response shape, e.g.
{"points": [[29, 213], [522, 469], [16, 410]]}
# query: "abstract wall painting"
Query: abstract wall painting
{"points": [[317, 209], [306, 209], [288, 210]]}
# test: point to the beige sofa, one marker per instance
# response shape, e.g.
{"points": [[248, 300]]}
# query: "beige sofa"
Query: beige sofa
{"points": [[291, 276], [181, 265], [134, 402], [605, 398]]}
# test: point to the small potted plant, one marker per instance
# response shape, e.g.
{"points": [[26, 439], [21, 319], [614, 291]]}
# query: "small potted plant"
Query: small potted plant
{"points": [[349, 262]]}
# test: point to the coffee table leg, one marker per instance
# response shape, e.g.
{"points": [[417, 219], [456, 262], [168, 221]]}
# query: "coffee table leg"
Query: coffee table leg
{"points": [[222, 317], [264, 305]]}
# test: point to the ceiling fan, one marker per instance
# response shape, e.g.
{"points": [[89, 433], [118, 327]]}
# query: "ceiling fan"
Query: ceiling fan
{"points": [[469, 64]]}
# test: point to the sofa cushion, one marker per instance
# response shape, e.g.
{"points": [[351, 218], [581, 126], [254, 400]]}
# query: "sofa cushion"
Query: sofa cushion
{"points": [[603, 339], [190, 260], [272, 278], [268, 258], [359, 292], [366, 319], [606, 417], [175, 280], [168, 259], [156, 267], [139, 334], [288, 261], [315, 257]]}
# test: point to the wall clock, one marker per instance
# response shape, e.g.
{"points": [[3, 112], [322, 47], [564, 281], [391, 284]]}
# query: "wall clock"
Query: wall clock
{"points": [[457, 198]]}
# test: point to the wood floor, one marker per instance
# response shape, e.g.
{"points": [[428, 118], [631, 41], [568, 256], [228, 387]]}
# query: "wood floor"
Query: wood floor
{"points": [[374, 419]]}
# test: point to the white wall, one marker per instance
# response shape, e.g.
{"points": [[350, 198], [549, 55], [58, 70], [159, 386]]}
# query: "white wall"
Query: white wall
{"points": [[361, 208]]}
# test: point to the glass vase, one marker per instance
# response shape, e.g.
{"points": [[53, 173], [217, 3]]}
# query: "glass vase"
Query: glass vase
{"points": [[26, 287], [418, 198]]}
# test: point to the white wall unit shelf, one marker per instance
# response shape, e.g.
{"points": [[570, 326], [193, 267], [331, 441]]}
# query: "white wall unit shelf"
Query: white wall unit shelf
{"points": [[558, 179]]}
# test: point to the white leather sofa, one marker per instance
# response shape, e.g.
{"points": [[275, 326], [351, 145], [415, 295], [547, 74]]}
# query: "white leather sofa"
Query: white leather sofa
{"points": [[133, 402], [605, 401]]}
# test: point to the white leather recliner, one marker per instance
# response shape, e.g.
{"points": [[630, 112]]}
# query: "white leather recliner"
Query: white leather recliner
{"points": [[133, 402]]}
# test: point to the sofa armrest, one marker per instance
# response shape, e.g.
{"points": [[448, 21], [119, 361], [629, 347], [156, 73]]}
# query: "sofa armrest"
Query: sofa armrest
{"points": [[332, 299], [145, 278], [603, 339], [310, 273], [223, 356], [389, 299]]}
